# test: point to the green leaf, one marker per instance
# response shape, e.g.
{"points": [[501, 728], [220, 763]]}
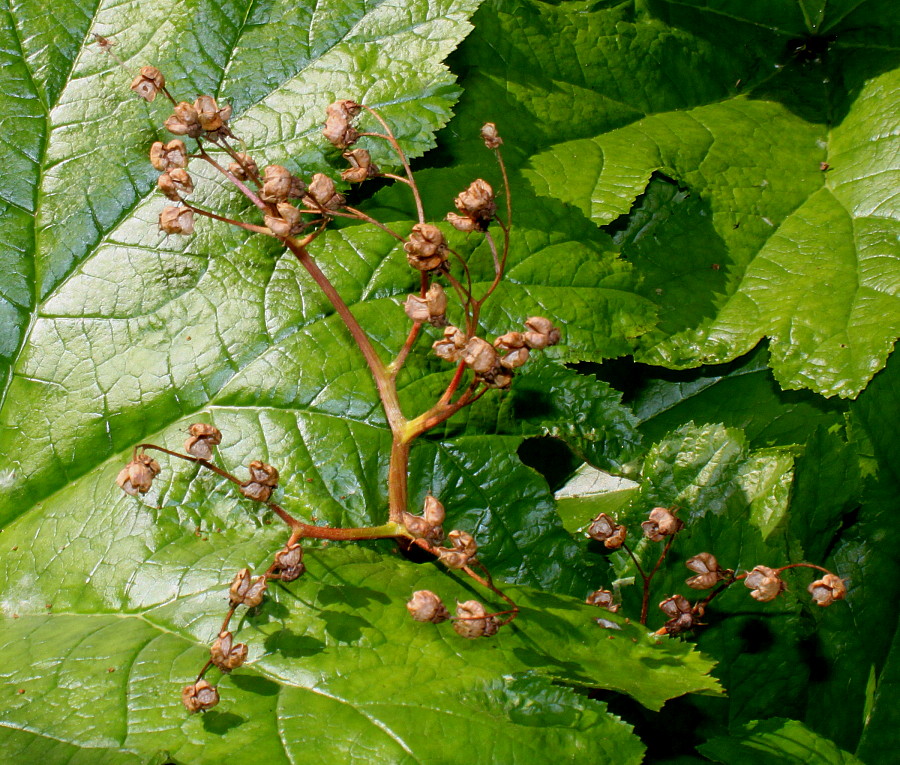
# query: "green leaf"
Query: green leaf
{"points": [[754, 240], [785, 742], [881, 732]]}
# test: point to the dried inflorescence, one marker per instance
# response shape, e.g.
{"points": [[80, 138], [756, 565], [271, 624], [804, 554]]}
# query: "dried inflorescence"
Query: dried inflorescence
{"points": [[428, 525], [289, 562], [765, 583], [602, 599], [476, 207], [338, 128], [681, 614], [137, 476], [148, 83], [199, 696], [176, 220], [263, 479], [226, 654], [245, 590], [662, 524], [708, 571], [169, 156], [828, 589], [202, 118], [431, 308], [605, 529], [425, 606], [463, 550], [426, 249], [202, 439], [472, 620], [361, 166]]}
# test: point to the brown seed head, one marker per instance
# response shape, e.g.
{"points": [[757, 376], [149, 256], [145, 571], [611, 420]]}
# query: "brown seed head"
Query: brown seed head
{"points": [[681, 612], [540, 333], [176, 220], [426, 249], [462, 223], [662, 523], [765, 584], [148, 82], [168, 156], [244, 589], [420, 528], [338, 130], [245, 168], [433, 511], [175, 184], [137, 476], [477, 204], [425, 606], [603, 599], [225, 654], [708, 571], [289, 562], [471, 620], [322, 194], [203, 437], [828, 589], [491, 137], [605, 529], [276, 184], [432, 308], [184, 121], [199, 697], [450, 347], [480, 356], [361, 166], [210, 116]]}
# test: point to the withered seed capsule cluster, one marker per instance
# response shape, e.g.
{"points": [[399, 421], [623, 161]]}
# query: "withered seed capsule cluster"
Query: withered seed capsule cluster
{"points": [[476, 208], [263, 479], [137, 476], [428, 525]]}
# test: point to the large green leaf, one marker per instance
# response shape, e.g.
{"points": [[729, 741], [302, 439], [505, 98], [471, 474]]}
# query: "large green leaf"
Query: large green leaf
{"points": [[750, 238]]}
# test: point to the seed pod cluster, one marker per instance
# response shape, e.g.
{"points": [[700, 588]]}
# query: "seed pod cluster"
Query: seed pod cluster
{"points": [[148, 83], [605, 529], [176, 220], [204, 116], [476, 208], [602, 599], [661, 524], [463, 549], [431, 308], [681, 613], [827, 590], [226, 654], [245, 590], [137, 476], [289, 562], [764, 583], [428, 525], [361, 166], [472, 620], [338, 128], [203, 437], [426, 249], [425, 606], [322, 195], [199, 696], [708, 571], [263, 479]]}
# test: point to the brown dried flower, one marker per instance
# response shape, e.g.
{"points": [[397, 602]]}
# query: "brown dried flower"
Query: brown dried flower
{"points": [[432, 308], [462, 223], [203, 438], [480, 356], [471, 620], [477, 204], [199, 697], [708, 571], [361, 166], [168, 156], [322, 194], [276, 184], [210, 116], [226, 654], [175, 184], [540, 333], [338, 130], [425, 606], [605, 529], [176, 220], [137, 476], [602, 599], [184, 121], [516, 352], [245, 168], [263, 478], [420, 528], [451, 346], [244, 589], [765, 583], [289, 562], [464, 549], [828, 589], [491, 137], [662, 523], [426, 249], [433, 512], [681, 612], [148, 83]]}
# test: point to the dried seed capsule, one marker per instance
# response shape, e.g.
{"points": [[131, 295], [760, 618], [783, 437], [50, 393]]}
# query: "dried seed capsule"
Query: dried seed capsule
{"points": [[662, 523], [602, 599], [245, 168], [828, 589], [480, 356], [471, 620], [681, 612], [605, 529], [199, 697], [246, 590], [489, 135], [361, 166], [203, 438], [432, 308], [462, 223], [277, 226], [184, 121], [434, 511], [210, 116], [708, 571], [540, 333], [263, 478], [422, 529], [176, 220], [168, 156], [426, 249], [148, 82], [477, 203], [137, 476], [321, 193], [425, 606], [498, 378], [227, 655], [765, 584], [276, 184], [175, 184], [464, 550], [289, 222], [451, 346], [338, 130], [289, 562]]}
